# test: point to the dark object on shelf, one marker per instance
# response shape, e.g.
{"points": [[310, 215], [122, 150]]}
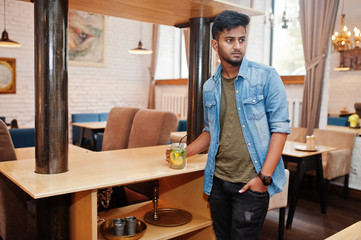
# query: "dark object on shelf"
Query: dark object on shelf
{"points": [[107, 230], [14, 124]]}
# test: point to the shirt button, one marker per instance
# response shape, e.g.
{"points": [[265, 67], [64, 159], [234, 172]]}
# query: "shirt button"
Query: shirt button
{"points": [[249, 144], [239, 108], [243, 126], [254, 100], [237, 91], [255, 162]]}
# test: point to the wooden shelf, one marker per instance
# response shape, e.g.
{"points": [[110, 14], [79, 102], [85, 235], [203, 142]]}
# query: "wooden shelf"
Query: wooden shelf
{"points": [[183, 191], [154, 232]]}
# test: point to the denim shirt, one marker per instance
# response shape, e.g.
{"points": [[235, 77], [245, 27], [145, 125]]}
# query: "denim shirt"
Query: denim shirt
{"points": [[262, 110]]}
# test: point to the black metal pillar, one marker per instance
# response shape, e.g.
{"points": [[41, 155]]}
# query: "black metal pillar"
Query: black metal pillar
{"points": [[199, 72], [53, 218], [51, 86], [51, 111]]}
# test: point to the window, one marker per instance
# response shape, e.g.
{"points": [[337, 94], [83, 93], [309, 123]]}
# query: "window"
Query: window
{"points": [[171, 61], [287, 50]]}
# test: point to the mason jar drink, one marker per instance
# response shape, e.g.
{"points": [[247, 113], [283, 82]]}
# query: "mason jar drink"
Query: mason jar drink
{"points": [[177, 156]]}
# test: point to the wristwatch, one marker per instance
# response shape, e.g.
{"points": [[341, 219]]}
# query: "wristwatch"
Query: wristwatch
{"points": [[267, 180]]}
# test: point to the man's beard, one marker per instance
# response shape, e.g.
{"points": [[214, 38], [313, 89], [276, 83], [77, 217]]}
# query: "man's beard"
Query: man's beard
{"points": [[234, 63]]}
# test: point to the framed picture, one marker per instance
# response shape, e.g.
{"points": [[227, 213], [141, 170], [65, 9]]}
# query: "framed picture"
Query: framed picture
{"points": [[7, 75], [86, 39]]}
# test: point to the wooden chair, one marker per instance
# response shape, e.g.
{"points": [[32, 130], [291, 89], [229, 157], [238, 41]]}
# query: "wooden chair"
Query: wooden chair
{"points": [[17, 209], [279, 201]]}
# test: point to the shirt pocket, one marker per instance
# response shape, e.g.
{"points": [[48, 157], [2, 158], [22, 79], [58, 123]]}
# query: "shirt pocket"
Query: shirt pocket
{"points": [[210, 110], [254, 107]]}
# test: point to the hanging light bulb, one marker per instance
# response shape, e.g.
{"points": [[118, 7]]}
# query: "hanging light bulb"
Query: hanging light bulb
{"points": [[140, 49], [5, 41]]}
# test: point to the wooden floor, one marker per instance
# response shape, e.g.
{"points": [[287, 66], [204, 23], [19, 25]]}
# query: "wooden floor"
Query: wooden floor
{"points": [[309, 223]]}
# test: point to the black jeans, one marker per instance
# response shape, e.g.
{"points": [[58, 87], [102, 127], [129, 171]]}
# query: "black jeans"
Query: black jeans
{"points": [[237, 216]]}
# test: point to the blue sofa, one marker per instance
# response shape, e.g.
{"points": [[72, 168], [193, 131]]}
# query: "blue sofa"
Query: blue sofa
{"points": [[182, 126], [23, 137], [338, 121], [85, 117]]}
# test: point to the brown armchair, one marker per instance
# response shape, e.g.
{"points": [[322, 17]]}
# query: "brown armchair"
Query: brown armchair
{"points": [[336, 163], [17, 209], [116, 136], [298, 134], [117, 130], [150, 128]]}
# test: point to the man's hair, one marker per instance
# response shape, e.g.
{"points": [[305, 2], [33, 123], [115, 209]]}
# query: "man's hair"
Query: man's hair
{"points": [[228, 20]]}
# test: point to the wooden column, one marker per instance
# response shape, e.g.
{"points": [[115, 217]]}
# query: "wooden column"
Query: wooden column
{"points": [[199, 72], [51, 111]]}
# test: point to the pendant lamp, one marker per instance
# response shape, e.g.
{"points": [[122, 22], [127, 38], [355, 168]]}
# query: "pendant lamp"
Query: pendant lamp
{"points": [[140, 49], [5, 41]]}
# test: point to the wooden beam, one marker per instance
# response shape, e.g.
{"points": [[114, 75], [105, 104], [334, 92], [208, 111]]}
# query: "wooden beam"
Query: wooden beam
{"points": [[179, 81], [296, 79], [166, 12]]}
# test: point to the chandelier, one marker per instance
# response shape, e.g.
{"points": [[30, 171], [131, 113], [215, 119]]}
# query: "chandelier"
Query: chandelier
{"points": [[342, 41]]}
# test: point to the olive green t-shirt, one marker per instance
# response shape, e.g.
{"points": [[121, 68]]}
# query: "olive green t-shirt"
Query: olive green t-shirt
{"points": [[233, 162]]}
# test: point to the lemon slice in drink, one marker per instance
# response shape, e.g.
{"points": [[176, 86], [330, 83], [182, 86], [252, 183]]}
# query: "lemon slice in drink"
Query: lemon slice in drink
{"points": [[176, 159]]}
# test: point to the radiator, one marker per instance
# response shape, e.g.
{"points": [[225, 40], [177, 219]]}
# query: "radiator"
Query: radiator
{"points": [[175, 102], [178, 103], [294, 109]]}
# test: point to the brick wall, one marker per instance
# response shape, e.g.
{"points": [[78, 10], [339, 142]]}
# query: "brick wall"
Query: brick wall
{"points": [[122, 82]]}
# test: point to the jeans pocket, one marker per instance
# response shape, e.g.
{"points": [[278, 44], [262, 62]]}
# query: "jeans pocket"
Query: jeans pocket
{"points": [[258, 194]]}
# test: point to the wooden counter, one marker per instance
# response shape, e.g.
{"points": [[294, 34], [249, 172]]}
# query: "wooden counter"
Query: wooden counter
{"points": [[29, 152], [97, 170], [94, 170]]}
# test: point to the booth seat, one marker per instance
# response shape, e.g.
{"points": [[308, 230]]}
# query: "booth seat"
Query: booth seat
{"points": [[23, 137], [85, 117], [182, 126], [338, 121]]}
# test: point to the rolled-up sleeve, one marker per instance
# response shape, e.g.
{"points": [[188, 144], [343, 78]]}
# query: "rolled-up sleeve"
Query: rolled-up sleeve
{"points": [[276, 104]]}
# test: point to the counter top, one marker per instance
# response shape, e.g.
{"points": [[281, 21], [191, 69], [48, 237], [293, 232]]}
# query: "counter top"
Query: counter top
{"points": [[97, 170]]}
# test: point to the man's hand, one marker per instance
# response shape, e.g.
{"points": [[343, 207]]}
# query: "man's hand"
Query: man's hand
{"points": [[255, 185], [167, 153]]}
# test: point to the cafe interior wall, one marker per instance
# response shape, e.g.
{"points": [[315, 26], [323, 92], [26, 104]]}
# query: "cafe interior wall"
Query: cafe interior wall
{"points": [[345, 86], [123, 81]]}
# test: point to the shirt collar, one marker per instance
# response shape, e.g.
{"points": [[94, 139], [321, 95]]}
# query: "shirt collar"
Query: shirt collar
{"points": [[241, 73]]}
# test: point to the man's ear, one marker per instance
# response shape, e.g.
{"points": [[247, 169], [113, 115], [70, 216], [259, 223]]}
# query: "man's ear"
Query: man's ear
{"points": [[214, 45]]}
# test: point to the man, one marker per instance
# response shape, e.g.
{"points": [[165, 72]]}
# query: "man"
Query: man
{"points": [[246, 126]]}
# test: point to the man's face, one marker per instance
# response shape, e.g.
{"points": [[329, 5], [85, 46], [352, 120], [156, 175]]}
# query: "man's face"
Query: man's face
{"points": [[231, 45]]}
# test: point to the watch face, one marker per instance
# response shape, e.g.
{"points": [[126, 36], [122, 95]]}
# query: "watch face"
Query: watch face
{"points": [[267, 180]]}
